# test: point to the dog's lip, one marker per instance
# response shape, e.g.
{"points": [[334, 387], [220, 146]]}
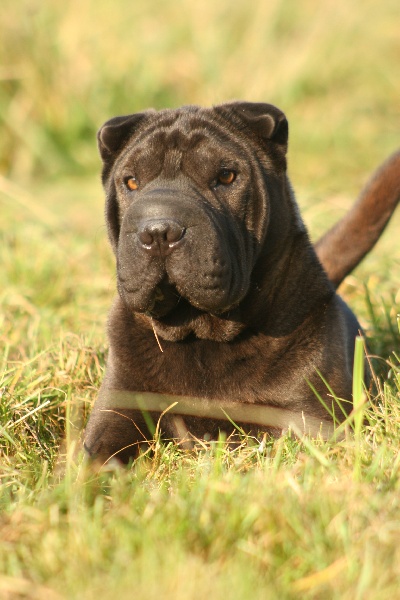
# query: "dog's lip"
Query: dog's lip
{"points": [[165, 299], [158, 306], [160, 301], [128, 289]]}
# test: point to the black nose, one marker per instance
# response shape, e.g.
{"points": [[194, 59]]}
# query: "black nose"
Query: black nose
{"points": [[160, 237]]}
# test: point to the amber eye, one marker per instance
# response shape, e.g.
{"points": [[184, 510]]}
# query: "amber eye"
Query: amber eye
{"points": [[226, 177], [131, 183]]}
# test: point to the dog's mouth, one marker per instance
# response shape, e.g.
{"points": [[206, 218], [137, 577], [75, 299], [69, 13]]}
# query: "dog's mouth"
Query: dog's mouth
{"points": [[175, 317], [167, 305], [165, 298]]}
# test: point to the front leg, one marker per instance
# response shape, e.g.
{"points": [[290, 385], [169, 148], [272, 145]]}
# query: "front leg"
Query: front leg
{"points": [[116, 431]]}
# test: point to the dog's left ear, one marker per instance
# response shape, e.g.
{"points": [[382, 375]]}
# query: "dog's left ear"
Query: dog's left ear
{"points": [[265, 120]]}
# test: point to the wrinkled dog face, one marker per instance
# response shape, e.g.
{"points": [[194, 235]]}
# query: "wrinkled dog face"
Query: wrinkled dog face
{"points": [[187, 204]]}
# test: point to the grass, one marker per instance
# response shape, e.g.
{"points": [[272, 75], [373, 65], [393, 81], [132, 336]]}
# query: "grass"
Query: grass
{"points": [[274, 518]]}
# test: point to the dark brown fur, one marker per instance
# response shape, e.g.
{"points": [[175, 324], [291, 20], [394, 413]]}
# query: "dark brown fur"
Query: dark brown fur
{"points": [[224, 275]]}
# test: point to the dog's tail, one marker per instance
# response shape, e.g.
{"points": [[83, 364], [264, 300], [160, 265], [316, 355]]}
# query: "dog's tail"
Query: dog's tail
{"points": [[346, 244]]}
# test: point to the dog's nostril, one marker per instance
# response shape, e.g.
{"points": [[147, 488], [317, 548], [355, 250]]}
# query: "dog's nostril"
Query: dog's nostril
{"points": [[175, 233], [145, 237], [160, 235]]}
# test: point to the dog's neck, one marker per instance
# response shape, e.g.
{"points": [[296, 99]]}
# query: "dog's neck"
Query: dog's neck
{"points": [[286, 288]]}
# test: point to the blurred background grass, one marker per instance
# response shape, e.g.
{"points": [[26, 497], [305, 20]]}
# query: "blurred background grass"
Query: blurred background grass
{"points": [[331, 65]]}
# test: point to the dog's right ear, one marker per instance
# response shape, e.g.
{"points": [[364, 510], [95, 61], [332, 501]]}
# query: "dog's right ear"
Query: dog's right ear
{"points": [[112, 138], [114, 134]]}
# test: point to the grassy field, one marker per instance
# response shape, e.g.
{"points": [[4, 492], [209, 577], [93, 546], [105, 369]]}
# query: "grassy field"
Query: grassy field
{"points": [[272, 519]]}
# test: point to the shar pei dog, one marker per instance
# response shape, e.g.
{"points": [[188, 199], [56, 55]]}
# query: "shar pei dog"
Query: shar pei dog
{"points": [[226, 315]]}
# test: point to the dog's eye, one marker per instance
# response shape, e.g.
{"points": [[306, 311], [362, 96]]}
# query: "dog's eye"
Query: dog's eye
{"points": [[131, 183], [226, 177]]}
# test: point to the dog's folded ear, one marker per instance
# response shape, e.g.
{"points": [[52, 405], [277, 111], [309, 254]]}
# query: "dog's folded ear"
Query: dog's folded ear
{"points": [[113, 135], [265, 120]]}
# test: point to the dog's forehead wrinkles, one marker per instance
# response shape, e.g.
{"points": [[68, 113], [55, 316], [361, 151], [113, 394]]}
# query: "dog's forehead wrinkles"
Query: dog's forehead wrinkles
{"points": [[172, 163], [185, 127], [166, 121], [168, 147]]}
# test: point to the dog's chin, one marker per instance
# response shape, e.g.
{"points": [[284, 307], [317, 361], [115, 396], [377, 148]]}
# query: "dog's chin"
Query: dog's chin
{"points": [[175, 317], [187, 320], [164, 300]]}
